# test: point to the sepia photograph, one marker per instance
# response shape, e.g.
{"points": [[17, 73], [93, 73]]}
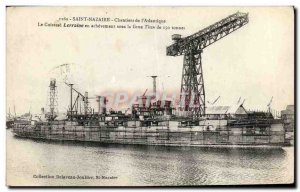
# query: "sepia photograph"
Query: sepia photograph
{"points": [[116, 96]]}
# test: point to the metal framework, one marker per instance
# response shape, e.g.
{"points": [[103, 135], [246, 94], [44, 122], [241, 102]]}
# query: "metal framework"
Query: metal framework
{"points": [[192, 84], [53, 99], [75, 107]]}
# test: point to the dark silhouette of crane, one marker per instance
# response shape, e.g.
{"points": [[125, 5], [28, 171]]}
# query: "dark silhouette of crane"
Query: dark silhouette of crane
{"points": [[269, 105], [212, 103], [192, 85]]}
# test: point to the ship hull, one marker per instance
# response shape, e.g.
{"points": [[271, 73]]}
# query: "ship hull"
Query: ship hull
{"points": [[218, 134]]}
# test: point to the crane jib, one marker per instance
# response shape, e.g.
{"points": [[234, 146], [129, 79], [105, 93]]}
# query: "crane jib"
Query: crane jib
{"points": [[209, 35]]}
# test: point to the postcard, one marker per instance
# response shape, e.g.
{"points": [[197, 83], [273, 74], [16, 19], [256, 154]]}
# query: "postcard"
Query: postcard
{"points": [[150, 96]]}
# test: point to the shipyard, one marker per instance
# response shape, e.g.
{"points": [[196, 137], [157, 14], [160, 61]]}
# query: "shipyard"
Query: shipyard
{"points": [[206, 98], [191, 121], [123, 20]]}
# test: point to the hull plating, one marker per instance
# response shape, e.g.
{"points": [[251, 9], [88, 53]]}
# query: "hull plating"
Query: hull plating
{"points": [[218, 133]]}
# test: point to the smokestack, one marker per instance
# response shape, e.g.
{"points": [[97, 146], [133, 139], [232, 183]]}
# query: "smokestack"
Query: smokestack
{"points": [[86, 102], [101, 105], [71, 102], [154, 85]]}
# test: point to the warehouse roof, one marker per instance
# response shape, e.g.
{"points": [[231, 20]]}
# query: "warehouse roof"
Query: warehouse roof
{"points": [[216, 110], [222, 110]]}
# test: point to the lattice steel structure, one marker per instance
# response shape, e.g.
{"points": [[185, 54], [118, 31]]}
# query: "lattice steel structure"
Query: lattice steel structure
{"points": [[192, 84], [53, 99]]}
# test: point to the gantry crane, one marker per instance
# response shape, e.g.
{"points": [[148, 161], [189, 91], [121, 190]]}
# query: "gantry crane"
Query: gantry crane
{"points": [[192, 84]]}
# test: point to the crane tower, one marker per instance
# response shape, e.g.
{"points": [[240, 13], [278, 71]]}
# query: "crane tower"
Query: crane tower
{"points": [[53, 99], [192, 85]]}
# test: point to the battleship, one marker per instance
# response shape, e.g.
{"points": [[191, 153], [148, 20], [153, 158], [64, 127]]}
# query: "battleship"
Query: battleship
{"points": [[159, 122]]}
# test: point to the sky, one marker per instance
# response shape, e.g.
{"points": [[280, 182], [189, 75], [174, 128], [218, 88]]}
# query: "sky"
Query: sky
{"points": [[255, 62]]}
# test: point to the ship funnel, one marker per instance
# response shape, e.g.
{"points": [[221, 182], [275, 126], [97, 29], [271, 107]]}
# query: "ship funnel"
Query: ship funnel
{"points": [[154, 85], [101, 105]]}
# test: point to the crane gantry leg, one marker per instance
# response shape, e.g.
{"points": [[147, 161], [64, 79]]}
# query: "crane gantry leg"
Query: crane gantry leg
{"points": [[192, 84], [192, 98]]}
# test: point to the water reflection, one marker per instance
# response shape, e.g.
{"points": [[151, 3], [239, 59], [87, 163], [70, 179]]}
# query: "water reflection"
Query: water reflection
{"points": [[149, 165]]}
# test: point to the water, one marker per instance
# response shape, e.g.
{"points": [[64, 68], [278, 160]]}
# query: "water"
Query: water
{"points": [[143, 165]]}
